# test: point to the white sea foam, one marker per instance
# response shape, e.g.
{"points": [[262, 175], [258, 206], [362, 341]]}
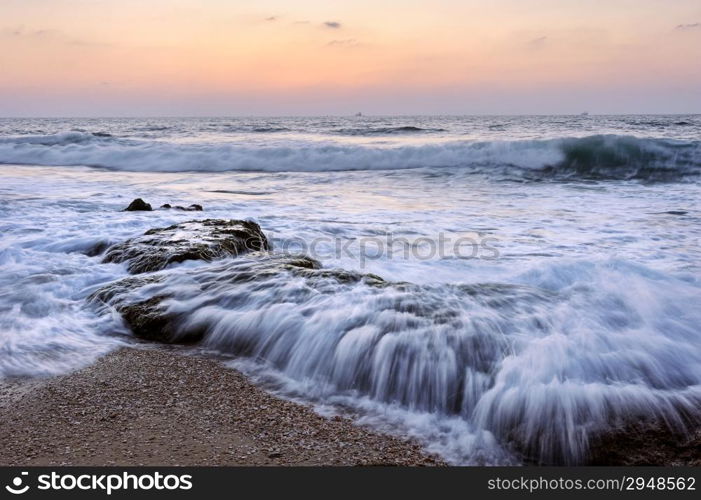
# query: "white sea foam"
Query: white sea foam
{"points": [[542, 367], [44, 326]]}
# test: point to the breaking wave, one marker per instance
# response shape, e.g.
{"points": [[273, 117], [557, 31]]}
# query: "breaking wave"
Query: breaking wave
{"points": [[592, 157]]}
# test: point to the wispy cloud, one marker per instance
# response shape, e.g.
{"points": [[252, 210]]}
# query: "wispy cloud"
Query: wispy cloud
{"points": [[332, 24], [21, 31], [688, 26], [537, 42], [271, 18], [347, 42], [48, 35]]}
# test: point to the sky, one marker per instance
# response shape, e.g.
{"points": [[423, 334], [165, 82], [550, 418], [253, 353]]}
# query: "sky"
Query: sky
{"points": [[309, 57]]}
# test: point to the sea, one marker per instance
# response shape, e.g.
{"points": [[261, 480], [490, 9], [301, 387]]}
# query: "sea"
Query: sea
{"points": [[545, 270]]}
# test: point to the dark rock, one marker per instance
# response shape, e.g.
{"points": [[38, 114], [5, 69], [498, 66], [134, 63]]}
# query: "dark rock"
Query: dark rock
{"points": [[192, 208], [207, 240], [97, 249], [150, 320], [147, 319], [643, 443], [138, 205], [339, 275]]}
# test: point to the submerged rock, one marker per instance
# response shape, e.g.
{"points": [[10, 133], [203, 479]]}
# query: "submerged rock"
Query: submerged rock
{"points": [[207, 240], [138, 205], [152, 319], [97, 249], [192, 208], [642, 443]]}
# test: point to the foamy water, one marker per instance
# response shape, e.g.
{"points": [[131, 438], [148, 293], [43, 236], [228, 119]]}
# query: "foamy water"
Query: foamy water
{"points": [[578, 309]]}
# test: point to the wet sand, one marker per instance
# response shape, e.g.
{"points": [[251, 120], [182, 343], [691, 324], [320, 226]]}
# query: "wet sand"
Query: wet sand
{"points": [[157, 407]]}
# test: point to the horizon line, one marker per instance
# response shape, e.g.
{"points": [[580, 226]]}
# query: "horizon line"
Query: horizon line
{"points": [[336, 115]]}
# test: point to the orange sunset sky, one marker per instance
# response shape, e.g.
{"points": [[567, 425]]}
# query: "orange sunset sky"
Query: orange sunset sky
{"points": [[272, 57]]}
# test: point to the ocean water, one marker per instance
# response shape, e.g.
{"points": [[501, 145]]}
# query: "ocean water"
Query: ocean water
{"points": [[552, 265]]}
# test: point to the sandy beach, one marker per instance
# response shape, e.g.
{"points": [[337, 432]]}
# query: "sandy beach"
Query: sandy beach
{"points": [[156, 407]]}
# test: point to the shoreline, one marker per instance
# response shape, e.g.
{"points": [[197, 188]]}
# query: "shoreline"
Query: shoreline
{"points": [[138, 406], [155, 405]]}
